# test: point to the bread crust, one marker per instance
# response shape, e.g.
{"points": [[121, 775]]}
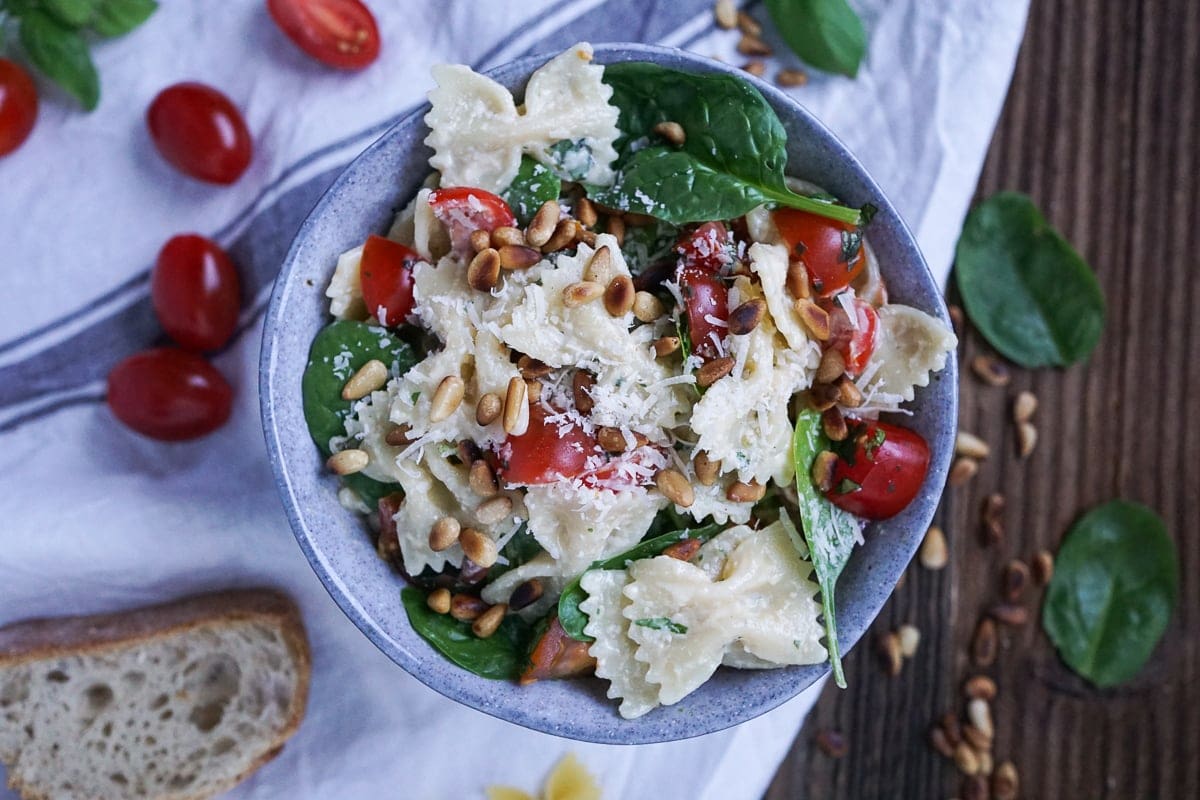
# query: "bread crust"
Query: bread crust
{"points": [[47, 638]]}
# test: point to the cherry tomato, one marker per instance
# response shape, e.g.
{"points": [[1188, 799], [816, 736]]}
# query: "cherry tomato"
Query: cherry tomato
{"points": [[196, 292], [706, 299], [546, 452], [169, 394], [340, 33], [200, 132], [831, 251], [856, 342], [463, 210], [879, 470], [18, 106], [387, 280], [709, 247]]}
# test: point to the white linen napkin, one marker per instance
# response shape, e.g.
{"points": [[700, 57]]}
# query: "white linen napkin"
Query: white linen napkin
{"points": [[96, 518]]}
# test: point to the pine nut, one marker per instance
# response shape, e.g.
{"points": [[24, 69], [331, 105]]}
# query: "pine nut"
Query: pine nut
{"points": [[755, 68], [599, 267], [611, 439], [348, 462], [1006, 783], [992, 518], [488, 408], [483, 273], [673, 132], [939, 742], [822, 470], [833, 366], [980, 714], [491, 512], [585, 236], [975, 788], [619, 296], [748, 24], [530, 367], [585, 212], [481, 479], [962, 471], [370, 376], [980, 687], [581, 293], [647, 307], [466, 607], [823, 396], [1014, 580], [444, 534], [1010, 614], [743, 492], [791, 77], [514, 404], [616, 229], [665, 346], [990, 371], [1043, 567], [983, 643], [832, 743], [675, 487], [1027, 437], [706, 469], [398, 436], [746, 316], [725, 13], [797, 280], [446, 398], [563, 235], [934, 554], [581, 387], [849, 394], [489, 621], [956, 318], [979, 741], [965, 759], [910, 638], [533, 390], [1024, 406], [985, 768], [814, 318], [970, 445], [506, 235], [480, 240], [439, 601], [834, 424], [889, 650], [478, 546], [753, 46], [952, 728], [714, 370], [542, 226], [526, 594], [515, 256]]}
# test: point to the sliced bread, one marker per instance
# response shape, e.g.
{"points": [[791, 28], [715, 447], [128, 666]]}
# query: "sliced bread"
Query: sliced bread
{"points": [[177, 701]]}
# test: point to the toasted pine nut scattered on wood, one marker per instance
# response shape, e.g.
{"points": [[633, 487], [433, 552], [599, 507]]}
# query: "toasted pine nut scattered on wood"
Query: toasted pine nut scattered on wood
{"points": [[1043, 567], [543, 224], [934, 554], [970, 445], [1014, 580], [910, 638], [889, 650], [483, 273], [673, 132], [619, 296], [962, 470], [983, 643], [1027, 437], [675, 487], [514, 404], [990, 370], [1010, 614], [726, 15], [446, 398], [939, 742], [439, 601], [965, 759], [647, 307], [980, 686], [1006, 783], [369, 377], [791, 77], [478, 546], [489, 621], [1024, 406], [980, 714], [444, 534], [348, 462], [706, 468], [832, 743]]}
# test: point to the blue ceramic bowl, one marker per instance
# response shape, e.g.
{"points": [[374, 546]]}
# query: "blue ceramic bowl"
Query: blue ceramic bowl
{"points": [[362, 201]]}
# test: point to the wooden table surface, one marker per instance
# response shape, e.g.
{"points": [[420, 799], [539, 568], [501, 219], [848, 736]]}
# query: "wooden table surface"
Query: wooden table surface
{"points": [[1100, 128]]}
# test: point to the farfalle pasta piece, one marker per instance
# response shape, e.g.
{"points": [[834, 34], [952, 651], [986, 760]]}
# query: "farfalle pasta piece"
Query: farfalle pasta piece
{"points": [[613, 649], [479, 135], [910, 345]]}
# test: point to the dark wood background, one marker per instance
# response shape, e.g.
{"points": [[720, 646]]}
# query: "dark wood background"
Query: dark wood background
{"points": [[1101, 128]]}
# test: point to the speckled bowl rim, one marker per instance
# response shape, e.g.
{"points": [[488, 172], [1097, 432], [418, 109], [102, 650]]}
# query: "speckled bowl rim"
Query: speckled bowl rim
{"points": [[578, 709]]}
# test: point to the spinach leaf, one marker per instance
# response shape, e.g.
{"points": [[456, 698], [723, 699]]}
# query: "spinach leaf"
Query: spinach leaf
{"points": [[1025, 288], [573, 620], [826, 34], [661, 624], [572, 158], [831, 533], [1113, 591], [337, 352], [500, 657], [517, 551], [535, 184], [646, 245], [733, 158]]}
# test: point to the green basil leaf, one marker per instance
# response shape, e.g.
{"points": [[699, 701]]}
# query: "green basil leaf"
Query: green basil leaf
{"points": [[534, 185], [826, 34], [831, 533], [501, 656], [1025, 288], [1113, 592], [72, 13], [733, 158], [517, 551], [337, 352], [119, 17], [61, 54], [661, 624], [573, 620]]}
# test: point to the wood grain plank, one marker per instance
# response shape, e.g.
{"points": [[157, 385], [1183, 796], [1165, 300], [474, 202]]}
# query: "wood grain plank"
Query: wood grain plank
{"points": [[1100, 128]]}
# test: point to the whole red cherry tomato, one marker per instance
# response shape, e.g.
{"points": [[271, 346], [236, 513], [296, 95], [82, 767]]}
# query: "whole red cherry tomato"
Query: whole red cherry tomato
{"points": [[880, 468], [831, 251], [387, 280], [196, 292], [340, 33], [856, 342], [169, 394], [200, 132], [18, 106], [463, 210], [546, 452]]}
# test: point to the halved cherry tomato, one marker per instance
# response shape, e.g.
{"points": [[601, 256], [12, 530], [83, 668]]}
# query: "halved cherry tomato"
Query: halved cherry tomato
{"points": [[200, 132], [463, 209], [340, 33], [387, 280], [169, 394], [879, 470], [546, 452], [706, 299], [195, 291], [831, 251], [709, 247], [856, 342], [18, 106]]}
